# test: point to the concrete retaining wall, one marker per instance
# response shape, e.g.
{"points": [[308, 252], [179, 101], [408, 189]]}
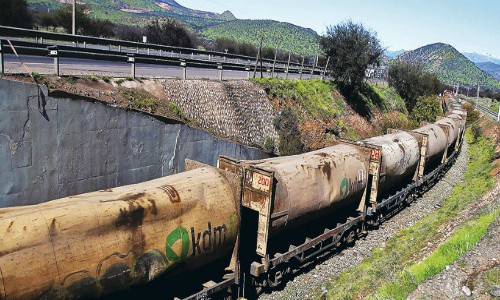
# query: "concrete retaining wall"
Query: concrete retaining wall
{"points": [[57, 146]]}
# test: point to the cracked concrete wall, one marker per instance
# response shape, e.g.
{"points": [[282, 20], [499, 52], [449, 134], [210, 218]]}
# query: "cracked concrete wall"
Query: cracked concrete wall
{"points": [[54, 147], [239, 110]]}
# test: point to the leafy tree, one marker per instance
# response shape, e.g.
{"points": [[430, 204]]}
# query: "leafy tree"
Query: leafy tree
{"points": [[64, 17], [351, 48], [15, 13], [427, 109], [46, 19], [411, 82], [171, 33]]}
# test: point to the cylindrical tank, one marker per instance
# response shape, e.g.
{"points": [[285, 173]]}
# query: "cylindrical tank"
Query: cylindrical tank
{"points": [[436, 144], [462, 113], [96, 243], [400, 154], [312, 184], [452, 132]]}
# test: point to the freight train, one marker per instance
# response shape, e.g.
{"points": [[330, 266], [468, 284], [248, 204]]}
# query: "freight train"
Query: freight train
{"points": [[265, 218]]}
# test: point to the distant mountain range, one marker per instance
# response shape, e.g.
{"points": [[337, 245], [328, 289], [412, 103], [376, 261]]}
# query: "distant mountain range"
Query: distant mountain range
{"points": [[392, 54], [481, 58], [450, 65], [490, 68], [209, 25]]}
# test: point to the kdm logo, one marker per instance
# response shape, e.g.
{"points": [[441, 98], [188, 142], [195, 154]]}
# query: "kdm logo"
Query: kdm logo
{"points": [[201, 242]]}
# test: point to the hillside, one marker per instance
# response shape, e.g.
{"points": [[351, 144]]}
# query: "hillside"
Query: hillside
{"points": [[139, 11], [490, 68], [449, 65], [209, 25], [293, 38]]}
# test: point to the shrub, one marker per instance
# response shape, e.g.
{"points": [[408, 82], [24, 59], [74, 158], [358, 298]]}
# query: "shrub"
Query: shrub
{"points": [[426, 109], [289, 134], [411, 82], [147, 104], [269, 145]]}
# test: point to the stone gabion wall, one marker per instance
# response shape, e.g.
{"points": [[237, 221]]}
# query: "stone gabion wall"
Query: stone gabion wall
{"points": [[238, 110]]}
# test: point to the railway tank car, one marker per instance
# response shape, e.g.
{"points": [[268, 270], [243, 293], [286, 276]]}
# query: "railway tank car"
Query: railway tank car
{"points": [[93, 244], [400, 158], [96, 243], [337, 176]]}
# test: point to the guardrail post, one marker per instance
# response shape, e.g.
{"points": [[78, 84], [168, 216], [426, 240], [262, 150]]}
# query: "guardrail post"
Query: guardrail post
{"points": [[2, 69], [149, 51], [498, 116], [53, 52], [85, 45], [131, 60], [220, 71], [119, 48], [248, 72], [184, 72]]}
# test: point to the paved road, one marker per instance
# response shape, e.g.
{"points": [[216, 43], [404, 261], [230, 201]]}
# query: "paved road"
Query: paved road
{"points": [[70, 66]]}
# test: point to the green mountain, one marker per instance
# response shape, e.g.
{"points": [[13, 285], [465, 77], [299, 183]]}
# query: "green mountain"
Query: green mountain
{"points": [[449, 65], [209, 25], [140, 11], [290, 37]]}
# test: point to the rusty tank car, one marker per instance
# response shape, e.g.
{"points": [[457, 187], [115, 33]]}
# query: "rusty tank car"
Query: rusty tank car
{"points": [[438, 142], [309, 184], [93, 244], [400, 157], [100, 242]]}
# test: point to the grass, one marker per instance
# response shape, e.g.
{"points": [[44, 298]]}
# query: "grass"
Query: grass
{"points": [[460, 242], [315, 96], [391, 101], [382, 268]]}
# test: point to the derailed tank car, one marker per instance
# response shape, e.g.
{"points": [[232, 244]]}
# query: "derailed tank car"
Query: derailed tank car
{"points": [[96, 243]]}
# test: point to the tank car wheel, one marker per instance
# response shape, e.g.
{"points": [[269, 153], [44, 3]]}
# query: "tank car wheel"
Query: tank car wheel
{"points": [[350, 237], [277, 277]]}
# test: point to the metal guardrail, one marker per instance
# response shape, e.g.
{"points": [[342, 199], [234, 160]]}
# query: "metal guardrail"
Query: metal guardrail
{"points": [[486, 111], [83, 47]]}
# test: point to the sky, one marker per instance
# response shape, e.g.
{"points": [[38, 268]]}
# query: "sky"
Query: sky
{"points": [[468, 25]]}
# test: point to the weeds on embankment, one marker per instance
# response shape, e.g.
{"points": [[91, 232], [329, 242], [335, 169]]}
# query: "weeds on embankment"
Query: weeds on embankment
{"points": [[394, 272]]}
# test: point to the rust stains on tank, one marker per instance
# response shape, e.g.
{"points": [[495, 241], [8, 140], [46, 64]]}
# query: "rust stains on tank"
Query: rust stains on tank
{"points": [[327, 169], [52, 229], [132, 217], [10, 226], [154, 209], [402, 148], [172, 193], [132, 197]]}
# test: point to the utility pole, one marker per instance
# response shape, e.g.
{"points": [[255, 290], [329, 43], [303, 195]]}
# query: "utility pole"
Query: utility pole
{"points": [[73, 23], [275, 56], [477, 98], [287, 66], [259, 53]]}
